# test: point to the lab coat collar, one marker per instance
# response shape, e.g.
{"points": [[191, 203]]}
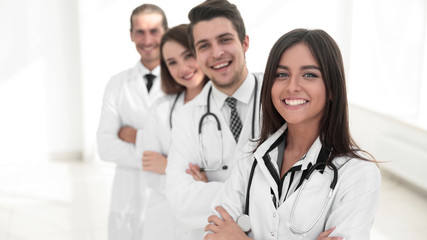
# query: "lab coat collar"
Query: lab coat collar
{"points": [[310, 157], [142, 70], [270, 147], [242, 94], [265, 146]]}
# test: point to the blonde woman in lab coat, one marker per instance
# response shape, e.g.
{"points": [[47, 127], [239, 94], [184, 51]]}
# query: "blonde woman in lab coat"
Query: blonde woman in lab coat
{"points": [[182, 80], [305, 122]]}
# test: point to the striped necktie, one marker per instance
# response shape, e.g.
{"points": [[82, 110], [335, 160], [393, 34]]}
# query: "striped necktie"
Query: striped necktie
{"points": [[235, 123]]}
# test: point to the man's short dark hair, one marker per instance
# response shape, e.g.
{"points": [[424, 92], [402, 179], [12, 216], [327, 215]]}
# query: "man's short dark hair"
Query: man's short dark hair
{"points": [[215, 8]]}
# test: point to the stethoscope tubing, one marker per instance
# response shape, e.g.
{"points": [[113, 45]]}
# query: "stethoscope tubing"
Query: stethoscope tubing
{"points": [[219, 128], [331, 190], [332, 186]]}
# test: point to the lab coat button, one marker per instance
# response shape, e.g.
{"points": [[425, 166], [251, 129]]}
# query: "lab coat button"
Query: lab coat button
{"points": [[272, 234], [274, 214]]}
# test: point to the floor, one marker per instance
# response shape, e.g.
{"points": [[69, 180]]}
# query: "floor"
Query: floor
{"points": [[70, 200]]}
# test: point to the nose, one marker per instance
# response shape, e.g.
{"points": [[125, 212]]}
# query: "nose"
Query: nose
{"points": [[147, 39], [217, 51], [183, 69], [294, 84]]}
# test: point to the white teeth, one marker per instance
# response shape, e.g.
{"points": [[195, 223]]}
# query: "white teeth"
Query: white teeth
{"points": [[295, 102], [188, 76], [147, 49], [220, 65]]}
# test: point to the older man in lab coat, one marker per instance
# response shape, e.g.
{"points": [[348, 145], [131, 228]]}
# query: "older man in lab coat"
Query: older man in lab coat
{"points": [[217, 34], [127, 99]]}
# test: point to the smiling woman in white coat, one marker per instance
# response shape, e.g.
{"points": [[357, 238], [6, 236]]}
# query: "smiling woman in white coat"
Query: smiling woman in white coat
{"points": [[306, 174], [182, 79]]}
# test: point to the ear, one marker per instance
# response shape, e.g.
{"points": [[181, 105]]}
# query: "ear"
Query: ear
{"points": [[131, 36], [245, 43]]}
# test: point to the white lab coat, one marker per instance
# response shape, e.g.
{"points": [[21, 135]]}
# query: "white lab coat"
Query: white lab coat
{"points": [[190, 199], [351, 208], [126, 103], [160, 223]]}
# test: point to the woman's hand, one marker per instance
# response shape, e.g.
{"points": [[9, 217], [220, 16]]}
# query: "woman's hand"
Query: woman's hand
{"points": [[154, 162], [194, 171], [226, 229], [325, 235]]}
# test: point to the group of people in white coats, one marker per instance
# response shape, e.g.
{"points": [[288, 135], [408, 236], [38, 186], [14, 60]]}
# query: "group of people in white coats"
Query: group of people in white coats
{"points": [[206, 149]]}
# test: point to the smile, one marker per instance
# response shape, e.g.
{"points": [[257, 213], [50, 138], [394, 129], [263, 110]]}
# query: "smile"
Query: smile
{"points": [[221, 65], [188, 76], [295, 102], [147, 49]]}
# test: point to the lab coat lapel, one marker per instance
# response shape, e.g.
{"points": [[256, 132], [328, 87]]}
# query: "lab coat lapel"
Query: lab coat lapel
{"points": [[138, 76], [155, 91], [137, 80], [266, 173], [262, 151]]}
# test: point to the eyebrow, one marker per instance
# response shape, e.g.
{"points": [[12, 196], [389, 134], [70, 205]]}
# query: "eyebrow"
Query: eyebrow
{"points": [[224, 35], [302, 68], [217, 37], [169, 59], [148, 29]]}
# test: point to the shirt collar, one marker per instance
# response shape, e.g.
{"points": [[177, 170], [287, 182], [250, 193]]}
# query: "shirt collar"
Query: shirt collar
{"points": [[242, 94], [142, 70]]}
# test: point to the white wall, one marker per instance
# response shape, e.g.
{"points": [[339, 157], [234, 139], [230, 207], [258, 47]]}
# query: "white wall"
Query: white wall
{"points": [[400, 147], [40, 79]]}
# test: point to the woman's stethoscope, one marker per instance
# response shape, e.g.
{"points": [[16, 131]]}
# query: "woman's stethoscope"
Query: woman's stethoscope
{"points": [[172, 108], [244, 221], [209, 113]]}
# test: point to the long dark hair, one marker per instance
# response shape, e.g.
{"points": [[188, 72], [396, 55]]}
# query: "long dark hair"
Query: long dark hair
{"points": [[334, 128]]}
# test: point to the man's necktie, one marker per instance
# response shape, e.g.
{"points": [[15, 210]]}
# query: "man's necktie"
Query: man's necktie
{"points": [[235, 123], [150, 78]]}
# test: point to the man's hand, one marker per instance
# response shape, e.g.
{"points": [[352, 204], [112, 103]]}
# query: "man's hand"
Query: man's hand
{"points": [[226, 229], [127, 134], [154, 162], [194, 171]]}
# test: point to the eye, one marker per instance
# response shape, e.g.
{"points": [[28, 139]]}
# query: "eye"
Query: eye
{"points": [[202, 46], [171, 63], [139, 32], [281, 75], [310, 75], [154, 31], [225, 40]]}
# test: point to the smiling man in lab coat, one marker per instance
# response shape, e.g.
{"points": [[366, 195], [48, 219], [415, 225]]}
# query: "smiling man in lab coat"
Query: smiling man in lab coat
{"points": [[218, 38], [127, 99]]}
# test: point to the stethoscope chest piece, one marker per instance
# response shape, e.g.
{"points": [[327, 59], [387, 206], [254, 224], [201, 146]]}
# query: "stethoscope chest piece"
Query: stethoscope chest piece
{"points": [[244, 222]]}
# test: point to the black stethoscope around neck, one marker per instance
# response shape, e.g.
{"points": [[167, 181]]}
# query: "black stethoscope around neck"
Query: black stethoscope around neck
{"points": [[208, 113], [322, 160]]}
